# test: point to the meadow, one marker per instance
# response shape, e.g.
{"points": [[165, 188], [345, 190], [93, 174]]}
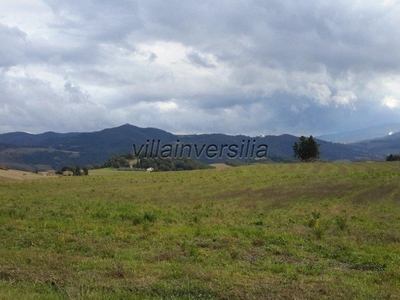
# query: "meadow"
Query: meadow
{"points": [[277, 231]]}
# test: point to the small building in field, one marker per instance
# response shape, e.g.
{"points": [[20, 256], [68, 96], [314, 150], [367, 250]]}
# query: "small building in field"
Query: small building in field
{"points": [[51, 173], [48, 173], [68, 173], [150, 169]]}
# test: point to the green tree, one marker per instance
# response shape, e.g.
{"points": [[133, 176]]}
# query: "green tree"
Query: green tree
{"points": [[307, 149], [85, 170], [77, 170], [392, 157]]}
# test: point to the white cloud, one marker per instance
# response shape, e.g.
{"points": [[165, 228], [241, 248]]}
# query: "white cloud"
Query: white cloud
{"points": [[391, 102], [167, 106], [320, 92], [344, 98], [35, 105]]}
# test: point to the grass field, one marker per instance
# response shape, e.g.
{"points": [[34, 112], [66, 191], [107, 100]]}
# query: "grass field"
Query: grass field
{"points": [[279, 231]]}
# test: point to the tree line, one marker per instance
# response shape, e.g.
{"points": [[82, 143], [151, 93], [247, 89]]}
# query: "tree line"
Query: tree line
{"points": [[128, 160], [76, 170], [393, 157]]}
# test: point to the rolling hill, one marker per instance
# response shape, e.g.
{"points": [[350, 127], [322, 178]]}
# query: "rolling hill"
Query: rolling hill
{"points": [[354, 136], [380, 146], [53, 150]]}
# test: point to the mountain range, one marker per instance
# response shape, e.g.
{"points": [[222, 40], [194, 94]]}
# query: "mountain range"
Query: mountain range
{"points": [[53, 150], [369, 133]]}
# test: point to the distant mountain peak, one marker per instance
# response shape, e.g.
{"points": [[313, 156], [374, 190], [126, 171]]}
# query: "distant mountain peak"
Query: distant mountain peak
{"points": [[359, 135]]}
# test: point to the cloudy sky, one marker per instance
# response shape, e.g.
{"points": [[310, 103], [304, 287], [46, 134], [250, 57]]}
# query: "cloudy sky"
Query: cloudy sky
{"points": [[237, 67]]}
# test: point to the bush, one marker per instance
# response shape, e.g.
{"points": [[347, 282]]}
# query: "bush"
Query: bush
{"points": [[341, 223], [392, 157]]}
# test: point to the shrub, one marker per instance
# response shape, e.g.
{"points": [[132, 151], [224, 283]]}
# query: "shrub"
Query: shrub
{"points": [[341, 222]]}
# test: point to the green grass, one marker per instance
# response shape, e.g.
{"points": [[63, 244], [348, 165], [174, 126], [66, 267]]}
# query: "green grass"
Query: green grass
{"points": [[279, 231], [103, 171]]}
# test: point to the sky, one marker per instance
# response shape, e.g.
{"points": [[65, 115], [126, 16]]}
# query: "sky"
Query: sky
{"points": [[237, 67]]}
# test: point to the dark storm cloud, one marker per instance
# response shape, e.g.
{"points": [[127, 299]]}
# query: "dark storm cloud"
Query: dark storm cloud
{"points": [[246, 66], [196, 59], [12, 50], [103, 21], [152, 57]]}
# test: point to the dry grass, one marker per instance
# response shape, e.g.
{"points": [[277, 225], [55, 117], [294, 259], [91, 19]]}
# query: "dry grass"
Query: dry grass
{"points": [[18, 175], [220, 166]]}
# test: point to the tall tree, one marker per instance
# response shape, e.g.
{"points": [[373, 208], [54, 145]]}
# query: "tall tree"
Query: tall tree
{"points": [[307, 149]]}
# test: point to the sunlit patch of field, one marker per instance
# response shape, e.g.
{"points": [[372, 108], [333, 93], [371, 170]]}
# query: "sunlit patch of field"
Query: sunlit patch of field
{"points": [[18, 175], [277, 231], [220, 166], [103, 171]]}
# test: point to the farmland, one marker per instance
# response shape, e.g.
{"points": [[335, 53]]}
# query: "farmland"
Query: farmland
{"points": [[277, 231]]}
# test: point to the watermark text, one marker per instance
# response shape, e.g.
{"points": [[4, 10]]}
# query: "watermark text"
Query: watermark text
{"points": [[247, 149]]}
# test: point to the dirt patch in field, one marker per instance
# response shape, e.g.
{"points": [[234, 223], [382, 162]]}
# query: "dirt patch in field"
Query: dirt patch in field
{"points": [[220, 166], [18, 175]]}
